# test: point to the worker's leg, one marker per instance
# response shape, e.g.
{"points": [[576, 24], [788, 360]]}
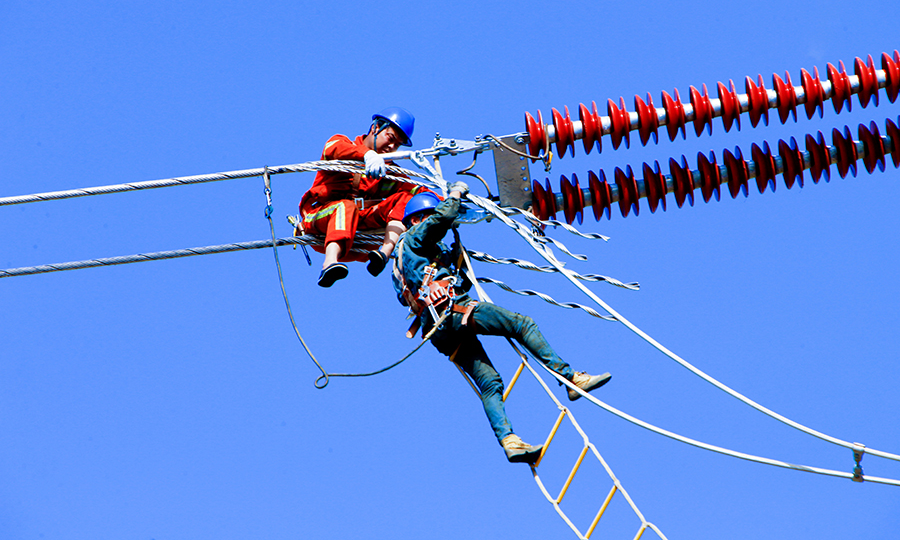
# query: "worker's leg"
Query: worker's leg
{"points": [[472, 357], [337, 221], [491, 319], [387, 214], [392, 232]]}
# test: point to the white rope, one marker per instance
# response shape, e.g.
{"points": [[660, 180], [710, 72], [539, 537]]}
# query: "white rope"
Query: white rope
{"points": [[483, 296], [542, 250], [713, 448]]}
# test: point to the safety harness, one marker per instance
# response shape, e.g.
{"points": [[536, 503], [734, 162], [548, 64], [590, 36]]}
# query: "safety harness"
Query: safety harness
{"points": [[432, 295]]}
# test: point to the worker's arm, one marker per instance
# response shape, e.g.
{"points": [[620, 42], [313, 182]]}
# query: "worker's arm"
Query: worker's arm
{"points": [[435, 227], [341, 147]]}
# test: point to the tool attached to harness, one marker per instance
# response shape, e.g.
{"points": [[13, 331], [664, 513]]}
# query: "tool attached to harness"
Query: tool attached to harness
{"points": [[435, 294], [432, 295]]}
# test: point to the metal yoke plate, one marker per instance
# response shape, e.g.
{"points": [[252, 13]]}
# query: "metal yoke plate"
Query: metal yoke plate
{"points": [[513, 176]]}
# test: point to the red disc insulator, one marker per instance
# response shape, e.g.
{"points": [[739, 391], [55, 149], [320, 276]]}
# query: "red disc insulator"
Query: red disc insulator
{"points": [[738, 172], [759, 100], [601, 194], [675, 118], [765, 166], [873, 147], [868, 81], [536, 134], [703, 113], [710, 175], [565, 133], [573, 199], [682, 181], [891, 67], [628, 191], [543, 201], [819, 157], [893, 134], [787, 96], [815, 94], [846, 151], [791, 162], [654, 186], [591, 128], [648, 120], [840, 87], [731, 105], [620, 123]]}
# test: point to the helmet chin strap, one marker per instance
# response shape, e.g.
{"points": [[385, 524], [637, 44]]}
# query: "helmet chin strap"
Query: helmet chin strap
{"points": [[379, 125]]}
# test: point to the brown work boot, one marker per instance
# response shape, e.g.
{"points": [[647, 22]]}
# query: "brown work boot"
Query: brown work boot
{"points": [[518, 451], [587, 383]]}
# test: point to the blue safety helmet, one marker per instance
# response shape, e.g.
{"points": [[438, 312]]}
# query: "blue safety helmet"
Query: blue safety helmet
{"points": [[401, 119], [420, 202]]}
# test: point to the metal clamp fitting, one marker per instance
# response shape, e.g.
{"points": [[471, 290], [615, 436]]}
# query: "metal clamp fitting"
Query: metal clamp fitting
{"points": [[859, 450]]}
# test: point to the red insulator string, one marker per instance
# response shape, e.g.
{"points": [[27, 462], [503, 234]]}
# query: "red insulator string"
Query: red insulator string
{"points": [[865, 82], [735, 171]]}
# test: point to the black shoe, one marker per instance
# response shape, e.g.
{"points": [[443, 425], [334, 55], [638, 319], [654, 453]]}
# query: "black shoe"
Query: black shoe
{"points": [[377, 262], [333, 273], [587, 383], [518, 451]]}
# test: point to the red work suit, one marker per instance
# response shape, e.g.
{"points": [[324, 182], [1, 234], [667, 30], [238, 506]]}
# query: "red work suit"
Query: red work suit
{"points": [[338, 204]]}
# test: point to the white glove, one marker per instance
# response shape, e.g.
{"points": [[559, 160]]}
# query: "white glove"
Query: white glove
{"points": [[461, 187], [375, 166]]}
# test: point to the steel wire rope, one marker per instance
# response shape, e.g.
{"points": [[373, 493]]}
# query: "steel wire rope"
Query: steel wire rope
{"points": [[159, 255], [546, 156], [310, 166]]}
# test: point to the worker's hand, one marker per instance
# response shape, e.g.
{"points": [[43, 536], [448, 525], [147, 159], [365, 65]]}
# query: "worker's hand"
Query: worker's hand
{"points": [[461, 187], [375, 166]]}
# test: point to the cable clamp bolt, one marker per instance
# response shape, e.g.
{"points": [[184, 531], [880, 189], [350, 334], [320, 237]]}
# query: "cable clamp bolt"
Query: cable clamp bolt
{"points": [[859, 450], [268, 191]]}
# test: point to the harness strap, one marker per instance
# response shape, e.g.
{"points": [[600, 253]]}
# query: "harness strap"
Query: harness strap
{"points": [[466, 310], [356, 179]]}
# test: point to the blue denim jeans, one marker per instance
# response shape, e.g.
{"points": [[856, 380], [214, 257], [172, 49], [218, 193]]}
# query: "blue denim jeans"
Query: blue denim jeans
{"points": [[492, 320]]}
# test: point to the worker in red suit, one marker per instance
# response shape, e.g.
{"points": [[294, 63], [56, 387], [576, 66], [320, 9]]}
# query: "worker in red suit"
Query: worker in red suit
{"points": [[338, 203]]}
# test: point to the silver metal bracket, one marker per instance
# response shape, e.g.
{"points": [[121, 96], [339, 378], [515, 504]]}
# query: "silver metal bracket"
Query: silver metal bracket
{"points": [[513, 175]]}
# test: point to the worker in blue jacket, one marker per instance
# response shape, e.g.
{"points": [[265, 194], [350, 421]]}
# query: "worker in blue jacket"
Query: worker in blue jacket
{"points": [[426, 282]]}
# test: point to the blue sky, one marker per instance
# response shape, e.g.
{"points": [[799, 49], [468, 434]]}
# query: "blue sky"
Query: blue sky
{"points": [[171, 400]]}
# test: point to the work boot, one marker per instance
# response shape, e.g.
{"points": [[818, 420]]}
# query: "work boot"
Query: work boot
{"points": [[377, 262], [518, 451], [587, 383]]}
